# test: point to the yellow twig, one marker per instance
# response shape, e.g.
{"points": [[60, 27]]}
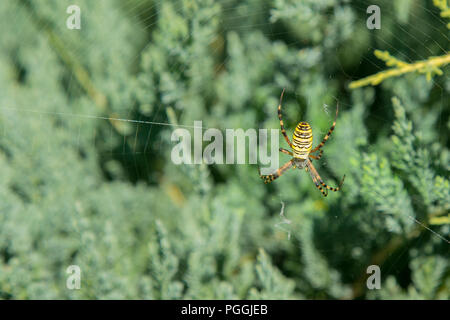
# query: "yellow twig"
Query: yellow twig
{"points": [[440, 220], [429, 66], [445, 10]]}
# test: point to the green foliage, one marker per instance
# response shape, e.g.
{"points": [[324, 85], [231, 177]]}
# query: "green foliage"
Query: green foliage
{"points": [[82, 187], [430, 67], [273, 285]]}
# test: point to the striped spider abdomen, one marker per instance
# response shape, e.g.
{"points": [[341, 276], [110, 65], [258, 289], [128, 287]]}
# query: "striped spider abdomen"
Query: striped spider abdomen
{"points": [[302, 141]]}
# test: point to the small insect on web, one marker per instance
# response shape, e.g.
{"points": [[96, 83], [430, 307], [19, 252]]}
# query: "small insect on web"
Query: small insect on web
{"points": [[302, 150]]}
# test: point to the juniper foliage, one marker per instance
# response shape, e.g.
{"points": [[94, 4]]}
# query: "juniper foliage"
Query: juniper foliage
{"points": [[79, 187]]}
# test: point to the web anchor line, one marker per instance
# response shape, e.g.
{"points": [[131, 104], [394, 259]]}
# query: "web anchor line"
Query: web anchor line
{"points": [[87, 116], [434, 232]]}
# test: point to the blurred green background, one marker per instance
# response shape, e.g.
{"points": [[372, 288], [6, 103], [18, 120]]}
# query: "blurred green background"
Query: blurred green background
{"points": [[81, 188]]}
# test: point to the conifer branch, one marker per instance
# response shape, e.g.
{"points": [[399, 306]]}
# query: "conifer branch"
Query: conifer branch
{"points": [[429, 67]]}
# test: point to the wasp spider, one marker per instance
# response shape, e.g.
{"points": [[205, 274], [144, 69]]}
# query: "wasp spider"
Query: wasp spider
{"points": [[302, 148]]}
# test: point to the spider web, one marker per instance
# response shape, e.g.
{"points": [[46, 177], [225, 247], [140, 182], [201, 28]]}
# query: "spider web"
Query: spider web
{"points": [[409, 30]]}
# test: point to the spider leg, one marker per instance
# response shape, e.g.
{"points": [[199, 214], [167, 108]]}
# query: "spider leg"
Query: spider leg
{"points": [[318, 180], [286, 151], [314, 178], [329, 132], [270, 177], [318, 156], [283, 131]]}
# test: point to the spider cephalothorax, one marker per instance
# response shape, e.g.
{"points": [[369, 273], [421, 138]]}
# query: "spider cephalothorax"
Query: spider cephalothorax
{"points": [[301, 146]]}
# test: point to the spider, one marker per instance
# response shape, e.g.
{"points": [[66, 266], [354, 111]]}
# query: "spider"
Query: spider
{"points": [[301, 146]]}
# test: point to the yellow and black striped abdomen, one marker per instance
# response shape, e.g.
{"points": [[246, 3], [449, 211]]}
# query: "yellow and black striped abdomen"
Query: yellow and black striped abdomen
{"points": [[302, 140]]}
